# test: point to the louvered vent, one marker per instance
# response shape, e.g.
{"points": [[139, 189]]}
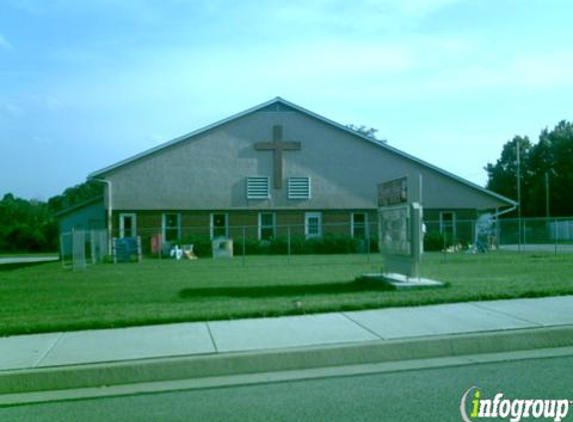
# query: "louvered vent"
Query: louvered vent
{"points": [[299, 188], [258, 187]]}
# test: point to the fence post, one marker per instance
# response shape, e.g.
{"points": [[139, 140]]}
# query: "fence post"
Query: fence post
{"points": [[244, 246], [368, 241], [92, 247], [444, 234], [524, 235], [62, 256], [555, 235], [497, 233], [288, 243], [519, 233]]}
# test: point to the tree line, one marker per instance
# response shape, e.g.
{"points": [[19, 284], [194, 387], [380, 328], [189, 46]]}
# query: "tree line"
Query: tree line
{"points": [[546, 169], [31, 225], [546, 172]]}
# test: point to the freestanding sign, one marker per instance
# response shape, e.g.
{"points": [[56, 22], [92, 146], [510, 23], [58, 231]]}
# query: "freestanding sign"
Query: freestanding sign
{"points": [[400, 225]]}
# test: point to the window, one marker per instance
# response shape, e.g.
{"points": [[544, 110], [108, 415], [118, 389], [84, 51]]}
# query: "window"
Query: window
{"points": [[127, 225], [171, 225], [258, 187], [299, 188], [219, 225], [266, 225], [359, 222], [313, 224], [448, 226]]}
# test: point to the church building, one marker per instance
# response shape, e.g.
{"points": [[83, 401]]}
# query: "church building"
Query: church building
{"points": [[274, 166]]}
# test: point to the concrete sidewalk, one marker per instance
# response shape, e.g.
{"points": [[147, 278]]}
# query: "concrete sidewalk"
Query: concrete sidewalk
{"points": [[281, 343], [12, 260], [220, 337]]}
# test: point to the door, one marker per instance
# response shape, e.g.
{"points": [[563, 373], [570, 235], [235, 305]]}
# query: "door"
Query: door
{"points": [[448, 227], [312, 224], [127, 225]]}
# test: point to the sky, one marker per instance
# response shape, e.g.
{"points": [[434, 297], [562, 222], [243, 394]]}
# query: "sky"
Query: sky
{"points": [[84, 84]]}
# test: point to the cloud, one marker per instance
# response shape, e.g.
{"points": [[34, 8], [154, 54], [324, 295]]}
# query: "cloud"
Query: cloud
{"points": [[48, 102], [11, 110], [366, 16], [28, 6], [42, 140], [533, 71], [4, 44]]}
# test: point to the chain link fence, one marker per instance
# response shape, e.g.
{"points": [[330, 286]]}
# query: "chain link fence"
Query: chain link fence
{"points": [[486, 234], [79, 248], [555, 235], [288, 240]]}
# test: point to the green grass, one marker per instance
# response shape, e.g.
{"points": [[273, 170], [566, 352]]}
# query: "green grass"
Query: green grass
{"points": [[47, 297], [27, 254]]}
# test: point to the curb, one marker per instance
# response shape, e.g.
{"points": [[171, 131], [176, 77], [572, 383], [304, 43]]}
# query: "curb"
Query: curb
{"points": [[243, 363]]}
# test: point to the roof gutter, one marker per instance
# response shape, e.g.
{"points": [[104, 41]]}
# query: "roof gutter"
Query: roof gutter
{"points": [[109, 212], [513, 208]]}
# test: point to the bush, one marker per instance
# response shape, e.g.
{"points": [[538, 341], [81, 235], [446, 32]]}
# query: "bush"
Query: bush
{"points": [[433, 241], [329, 244], [252, 247], [278, 246], [202, 247], [299, 245], [26, 238]]}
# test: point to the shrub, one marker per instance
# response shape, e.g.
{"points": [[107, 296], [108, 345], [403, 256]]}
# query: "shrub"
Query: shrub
{"points": [[252, 247], [26, 238], [202, 247], [433, 241], [299, 245], [329, 244], [278, 246]]}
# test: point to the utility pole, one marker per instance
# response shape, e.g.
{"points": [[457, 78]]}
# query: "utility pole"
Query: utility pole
{"points": [[547, 194], [518, 195]]}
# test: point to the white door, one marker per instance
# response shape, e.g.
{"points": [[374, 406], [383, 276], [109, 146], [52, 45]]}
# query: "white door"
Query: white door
{"points": [[313, 224], [127, 225]]}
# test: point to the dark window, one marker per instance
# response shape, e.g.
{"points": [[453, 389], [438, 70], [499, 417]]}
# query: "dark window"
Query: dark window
{"points": [[267, 225], [171, 226], [220, 225], [359, 225]]}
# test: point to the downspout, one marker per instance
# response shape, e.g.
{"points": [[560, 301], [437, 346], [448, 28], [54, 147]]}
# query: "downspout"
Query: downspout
{"points": [[109, 214], [495, 217], [497, 214]]}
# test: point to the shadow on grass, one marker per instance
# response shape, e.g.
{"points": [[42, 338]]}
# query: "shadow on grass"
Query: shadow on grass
{"points": [[17, 265], [358, 285]]}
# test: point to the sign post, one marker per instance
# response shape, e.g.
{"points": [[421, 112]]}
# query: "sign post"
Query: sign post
{"points": [[400, 226]]}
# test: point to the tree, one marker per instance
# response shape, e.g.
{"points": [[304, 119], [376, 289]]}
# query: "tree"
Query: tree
{"points": [[26, 225], [551, 159], [560, 167], [369, 132], [502, 176], [75, 195]]}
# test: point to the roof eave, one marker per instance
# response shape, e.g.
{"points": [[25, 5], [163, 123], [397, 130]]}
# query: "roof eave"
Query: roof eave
{"points": [[380, 144]]}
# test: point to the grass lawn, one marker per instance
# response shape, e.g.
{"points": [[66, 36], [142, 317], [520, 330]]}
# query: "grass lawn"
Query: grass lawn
{"points": [[47, 297], [27, 254]]}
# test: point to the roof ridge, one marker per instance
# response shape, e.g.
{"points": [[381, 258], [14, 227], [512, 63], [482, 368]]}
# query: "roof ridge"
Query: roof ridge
{"points": [[309, 113]]}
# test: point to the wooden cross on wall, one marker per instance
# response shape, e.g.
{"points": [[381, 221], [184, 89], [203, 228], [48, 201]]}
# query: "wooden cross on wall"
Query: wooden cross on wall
{"points": [[278, 146]]}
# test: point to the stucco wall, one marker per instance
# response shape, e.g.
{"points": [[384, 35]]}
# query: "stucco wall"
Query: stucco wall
{"points": [[209, 171], [91, 216]]}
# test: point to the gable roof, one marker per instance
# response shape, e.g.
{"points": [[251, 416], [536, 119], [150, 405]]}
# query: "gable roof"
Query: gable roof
{"points": [[79, 205], [282, 104]]}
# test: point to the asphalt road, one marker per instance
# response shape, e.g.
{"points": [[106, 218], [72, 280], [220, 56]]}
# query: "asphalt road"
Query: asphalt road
{"points": [[423, 395]]}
